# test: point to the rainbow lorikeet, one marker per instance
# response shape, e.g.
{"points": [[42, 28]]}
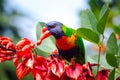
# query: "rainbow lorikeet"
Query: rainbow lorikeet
{"points": [[69, 44]]}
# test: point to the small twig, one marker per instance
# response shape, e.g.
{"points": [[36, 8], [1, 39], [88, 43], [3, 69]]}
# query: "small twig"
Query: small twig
{"points": [[99, 59], [100, 47]]}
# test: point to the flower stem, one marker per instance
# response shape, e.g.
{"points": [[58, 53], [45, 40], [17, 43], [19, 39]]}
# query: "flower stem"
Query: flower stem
{"points": [[100, 47], [99, 59]]}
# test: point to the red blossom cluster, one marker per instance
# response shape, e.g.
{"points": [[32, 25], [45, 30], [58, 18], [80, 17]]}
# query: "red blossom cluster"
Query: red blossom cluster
{"points": [[7, 49], [51, 68]]}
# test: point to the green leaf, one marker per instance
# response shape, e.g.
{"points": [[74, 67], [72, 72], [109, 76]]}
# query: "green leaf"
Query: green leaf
{"points": [[88, 35], [103, 18], [119, 47], [48, 44], [112, 50], [118, 51], [117, 29], [88, 19], [10, 71], [39, 27], [104, 9], [112, 75], [3, 76], [42, 53]]}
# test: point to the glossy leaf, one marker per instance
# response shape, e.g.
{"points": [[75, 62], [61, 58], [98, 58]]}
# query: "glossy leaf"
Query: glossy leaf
{"points": [[88, 19], [40, 25], [117, 29], [103, 18], [42, 53], [88, 35], [47, 44], [112, 75], [119, 51], [9, 67], [112, 50]]}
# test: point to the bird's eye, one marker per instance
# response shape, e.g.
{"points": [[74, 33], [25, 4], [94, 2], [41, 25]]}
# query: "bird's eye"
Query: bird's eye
{"points": [[52, 26]]}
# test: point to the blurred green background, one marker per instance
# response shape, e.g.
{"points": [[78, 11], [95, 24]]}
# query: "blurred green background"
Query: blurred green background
{"points": [[10, 21]]}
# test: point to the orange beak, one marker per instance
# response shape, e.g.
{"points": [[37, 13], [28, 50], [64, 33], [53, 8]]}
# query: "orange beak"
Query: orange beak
{"points": [[45, 33]]}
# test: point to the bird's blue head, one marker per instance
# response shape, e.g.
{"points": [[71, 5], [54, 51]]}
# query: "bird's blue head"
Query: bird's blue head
{"points": [[55, 29]]}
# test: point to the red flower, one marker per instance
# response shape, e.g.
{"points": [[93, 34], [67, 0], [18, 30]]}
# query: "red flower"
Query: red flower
{"points": [[4, 58], [65, 77], [24, 50], [39, 69], [74, 71], [87, 68], [87, 72], [36, 65], [118, 78], [51, 76], [22, 70], [87, 76], [24, 67], [38, 75], [57, 66], [40, 63], [7, 49], [103, 74], [24, 45]]}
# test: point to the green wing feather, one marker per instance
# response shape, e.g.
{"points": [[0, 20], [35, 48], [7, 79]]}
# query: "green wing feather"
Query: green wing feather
{"points": [[68, 32], [82, 49]]}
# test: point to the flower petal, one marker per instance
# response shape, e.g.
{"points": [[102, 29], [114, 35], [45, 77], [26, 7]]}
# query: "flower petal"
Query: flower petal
{"points": [[57, 66], [74, 71], [22, 70], [40, 63], [103, 74], [118, 78], [37, 74]]}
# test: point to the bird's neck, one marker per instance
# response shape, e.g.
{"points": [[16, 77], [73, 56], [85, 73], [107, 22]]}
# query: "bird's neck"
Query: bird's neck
{"points": [[66, 43]]}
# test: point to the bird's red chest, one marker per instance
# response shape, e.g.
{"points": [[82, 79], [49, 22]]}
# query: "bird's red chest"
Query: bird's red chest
{"points": [[66, 43]]}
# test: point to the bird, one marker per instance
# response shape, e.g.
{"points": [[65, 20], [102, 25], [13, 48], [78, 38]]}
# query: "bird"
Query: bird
{"points": [[69, 44]]}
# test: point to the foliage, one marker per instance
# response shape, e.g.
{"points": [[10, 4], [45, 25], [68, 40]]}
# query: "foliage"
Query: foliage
{"points": [[111, 48]]}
